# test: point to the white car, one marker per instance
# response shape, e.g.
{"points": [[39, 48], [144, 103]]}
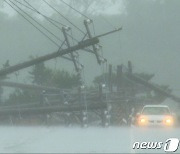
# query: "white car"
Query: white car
{"points": [[155, 115]]}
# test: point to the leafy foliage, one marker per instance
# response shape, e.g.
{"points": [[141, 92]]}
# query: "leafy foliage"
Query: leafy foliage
{"points": [[41, 75], [63, 79]]}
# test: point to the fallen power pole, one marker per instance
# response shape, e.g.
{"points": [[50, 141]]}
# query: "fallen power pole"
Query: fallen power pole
{"points": [[139, 80], [50, 109], [38, 60], [28, 86], [81, 45]]}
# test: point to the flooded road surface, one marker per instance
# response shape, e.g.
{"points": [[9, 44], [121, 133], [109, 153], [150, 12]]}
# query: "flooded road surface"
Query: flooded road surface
{"points": [[79, 140]]}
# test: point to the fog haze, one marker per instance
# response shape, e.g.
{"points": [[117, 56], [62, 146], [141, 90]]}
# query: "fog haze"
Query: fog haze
{"points": [[150, 39]]}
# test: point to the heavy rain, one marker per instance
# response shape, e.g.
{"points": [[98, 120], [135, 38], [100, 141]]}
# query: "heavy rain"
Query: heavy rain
{"points": [[76, 76]]}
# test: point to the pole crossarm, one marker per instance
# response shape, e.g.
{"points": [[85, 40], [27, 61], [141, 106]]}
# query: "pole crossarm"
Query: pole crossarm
{"points": [[95, 50], [110, 32]]}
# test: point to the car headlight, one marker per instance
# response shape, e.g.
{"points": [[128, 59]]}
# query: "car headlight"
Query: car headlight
{"points": [[143, 120], [169, 121]]}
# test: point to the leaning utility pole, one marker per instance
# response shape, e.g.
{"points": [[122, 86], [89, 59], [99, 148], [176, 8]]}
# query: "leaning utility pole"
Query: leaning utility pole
{"points": [[38, 60], [81, 45], [28, 86], [150, 85]]}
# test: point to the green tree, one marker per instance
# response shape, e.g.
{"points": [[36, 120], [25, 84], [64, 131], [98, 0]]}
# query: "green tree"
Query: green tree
{"points": [[63, 79], [40, 74]]}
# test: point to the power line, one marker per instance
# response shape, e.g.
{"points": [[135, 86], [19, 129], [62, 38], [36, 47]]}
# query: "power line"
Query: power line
{"points": [[33, 9], [42, 31], [49, 21], [75, 9], [64, 17], [31, 23], [38, 30], [38, 12], [42, 15], [88, 50], [47, 18], [37, 22], [94, 28], [68, 21], [80, 14], [108, 22], [24, 5]]}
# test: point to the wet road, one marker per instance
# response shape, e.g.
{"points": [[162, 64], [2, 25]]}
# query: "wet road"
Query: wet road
{"points": [[78, 140]]}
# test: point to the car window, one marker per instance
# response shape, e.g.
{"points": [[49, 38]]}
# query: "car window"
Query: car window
{"points": [[155, 111]]}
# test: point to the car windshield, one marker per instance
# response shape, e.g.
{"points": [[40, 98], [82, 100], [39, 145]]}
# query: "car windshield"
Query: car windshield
{"points": [[155, 111]]}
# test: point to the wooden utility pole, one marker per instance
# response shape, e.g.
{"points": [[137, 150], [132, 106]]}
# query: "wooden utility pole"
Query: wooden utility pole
{"points": [[150, 85], [50, 56], [81, 45]]}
